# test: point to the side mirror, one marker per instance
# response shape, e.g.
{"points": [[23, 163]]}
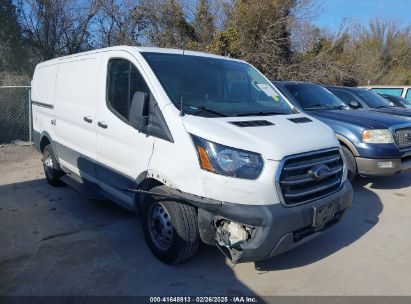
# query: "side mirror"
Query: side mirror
{"points": [[139, 111], [354, 104]]}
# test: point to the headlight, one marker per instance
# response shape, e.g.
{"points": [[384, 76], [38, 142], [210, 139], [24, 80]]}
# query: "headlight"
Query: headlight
{"points": [[227, 161], [383, 136]]}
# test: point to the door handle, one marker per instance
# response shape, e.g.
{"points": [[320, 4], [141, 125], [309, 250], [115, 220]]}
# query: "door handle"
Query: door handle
{"points": [[102, 124], [88, 119]]}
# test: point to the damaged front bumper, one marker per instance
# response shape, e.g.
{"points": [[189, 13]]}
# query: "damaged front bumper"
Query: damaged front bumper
{"points": [[248, 233]]}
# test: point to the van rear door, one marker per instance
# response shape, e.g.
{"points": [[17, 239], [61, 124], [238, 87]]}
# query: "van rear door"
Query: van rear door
{"points": [[123, 152], [75, 111]]}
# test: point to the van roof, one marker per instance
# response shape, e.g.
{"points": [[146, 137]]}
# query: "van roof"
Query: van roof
{"points": [[139, 49]]}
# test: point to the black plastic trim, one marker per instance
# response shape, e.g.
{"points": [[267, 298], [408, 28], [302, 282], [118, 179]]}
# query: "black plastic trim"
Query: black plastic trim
{"points": [[41, 104], [300, 120], [251, 123]]}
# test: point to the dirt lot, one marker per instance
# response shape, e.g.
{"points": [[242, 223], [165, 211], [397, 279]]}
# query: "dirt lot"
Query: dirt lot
{"points": [[55, 242]]}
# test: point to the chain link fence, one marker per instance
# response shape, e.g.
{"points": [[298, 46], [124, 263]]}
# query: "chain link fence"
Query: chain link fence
{"points": [[15, 114]]}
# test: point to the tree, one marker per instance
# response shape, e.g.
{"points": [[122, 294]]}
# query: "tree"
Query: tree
{"points": [[382, 53], [12, 51], [204, 23], [166, 23], [120, 22], [263, 29], [58, 27]]}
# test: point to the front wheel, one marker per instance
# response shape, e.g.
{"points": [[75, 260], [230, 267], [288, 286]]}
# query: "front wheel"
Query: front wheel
{"points": [[170, 229], [350, 163]]}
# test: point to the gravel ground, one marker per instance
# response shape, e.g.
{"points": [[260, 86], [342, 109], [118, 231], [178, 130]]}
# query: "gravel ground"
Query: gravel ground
{"points": [[53, 241]]}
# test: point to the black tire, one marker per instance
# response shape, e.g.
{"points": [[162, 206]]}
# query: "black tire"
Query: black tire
{"points": [[350, 163], [170, 228], [51, 167]]}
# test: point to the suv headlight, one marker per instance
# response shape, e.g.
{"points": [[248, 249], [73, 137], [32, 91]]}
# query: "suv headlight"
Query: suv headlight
{"points": [[227, 161], [383, 136]]}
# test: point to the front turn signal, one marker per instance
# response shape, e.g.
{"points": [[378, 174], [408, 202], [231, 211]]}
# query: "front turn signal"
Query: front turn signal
{"points": [[204, 160]]}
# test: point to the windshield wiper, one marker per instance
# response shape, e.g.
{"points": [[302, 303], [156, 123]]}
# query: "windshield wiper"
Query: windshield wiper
{"points": [[261, 113], [204, 109], [340, 107]]}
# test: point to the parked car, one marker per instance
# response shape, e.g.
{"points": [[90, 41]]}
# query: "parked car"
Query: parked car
{"points": [[358, 98], [203, 146], [373, 143], [396, 90], [397, 101]]}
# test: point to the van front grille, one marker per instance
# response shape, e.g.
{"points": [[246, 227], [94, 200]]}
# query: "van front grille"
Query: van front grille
{"points": [[402, 137], [309, 176]]}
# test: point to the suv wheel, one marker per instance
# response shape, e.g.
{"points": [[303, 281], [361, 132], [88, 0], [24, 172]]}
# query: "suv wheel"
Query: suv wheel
{"points": [[350, 163]]}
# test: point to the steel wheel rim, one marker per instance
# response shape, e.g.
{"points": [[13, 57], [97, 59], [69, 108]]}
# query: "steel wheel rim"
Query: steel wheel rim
{"points": [[48, 165], [160, 227]]}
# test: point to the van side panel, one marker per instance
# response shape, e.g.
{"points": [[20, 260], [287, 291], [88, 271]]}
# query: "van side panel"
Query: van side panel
{"points": [[75, 108], [42, 95], [43, 85]]}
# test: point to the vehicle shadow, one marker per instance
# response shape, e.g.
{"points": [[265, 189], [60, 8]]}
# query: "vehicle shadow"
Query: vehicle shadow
{"points": [[90, 247], [397, 181], [361, 218]]}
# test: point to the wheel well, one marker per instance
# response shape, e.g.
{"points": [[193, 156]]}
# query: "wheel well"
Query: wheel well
{"points": [[343, 144], [146, 184], [150, 183], [355, 162], [43, 143]]}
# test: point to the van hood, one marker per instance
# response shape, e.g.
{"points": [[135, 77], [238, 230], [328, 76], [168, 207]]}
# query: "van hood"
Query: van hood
{"points": [[361, 118], [284, 137]]}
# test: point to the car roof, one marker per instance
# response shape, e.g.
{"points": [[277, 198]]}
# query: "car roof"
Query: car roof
{"points": [[391, 96], [284, 82], [344, 88], [379, 86]]}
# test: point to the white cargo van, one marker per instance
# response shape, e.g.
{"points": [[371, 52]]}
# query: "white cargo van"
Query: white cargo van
{"points": [[203, 147]]}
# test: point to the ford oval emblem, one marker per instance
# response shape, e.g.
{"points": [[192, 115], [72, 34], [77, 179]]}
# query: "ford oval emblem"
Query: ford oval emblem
{"points": [[319, 172]]}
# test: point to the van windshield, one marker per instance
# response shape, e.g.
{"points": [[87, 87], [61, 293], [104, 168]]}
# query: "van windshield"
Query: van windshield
{"points": [[216, 87]]}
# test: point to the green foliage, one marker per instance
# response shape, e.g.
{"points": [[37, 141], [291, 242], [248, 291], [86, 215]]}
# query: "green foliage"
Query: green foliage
{"points": [[12, 51], [204, 23], [226, 43], [167, 24]]}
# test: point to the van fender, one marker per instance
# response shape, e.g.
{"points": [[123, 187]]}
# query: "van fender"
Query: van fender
{"points": [[43, 136], [149, 179]]}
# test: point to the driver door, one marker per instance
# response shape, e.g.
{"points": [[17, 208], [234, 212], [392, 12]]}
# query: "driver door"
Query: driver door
{"points": [[123, 152]]}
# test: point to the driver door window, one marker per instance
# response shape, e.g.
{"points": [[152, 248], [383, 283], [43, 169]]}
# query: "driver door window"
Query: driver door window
{"points": [[345, 96], [122, 82]]}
